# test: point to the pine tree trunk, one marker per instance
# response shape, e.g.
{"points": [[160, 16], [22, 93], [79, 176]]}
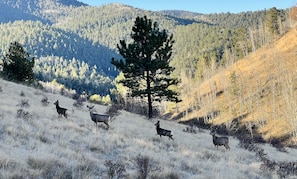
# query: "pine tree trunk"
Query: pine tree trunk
{"points": [[149, 97], [150, 107]]}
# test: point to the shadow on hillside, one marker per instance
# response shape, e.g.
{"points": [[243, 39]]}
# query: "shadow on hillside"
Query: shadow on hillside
{"points": [[248, 136], [185, 21], [244, 132], [281, 142], [197, 122]]}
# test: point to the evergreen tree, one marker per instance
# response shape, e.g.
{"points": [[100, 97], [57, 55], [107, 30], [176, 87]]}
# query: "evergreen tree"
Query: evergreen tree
{"points": [[272, 21], [17, 64], [146, 66]]}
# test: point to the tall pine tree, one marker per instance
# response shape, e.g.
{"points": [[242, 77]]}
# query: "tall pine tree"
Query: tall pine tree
{"points": [[146, 63]]}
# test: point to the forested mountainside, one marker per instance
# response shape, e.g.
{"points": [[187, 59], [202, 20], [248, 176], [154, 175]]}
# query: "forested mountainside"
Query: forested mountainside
{"points": [[243, 19], [74, 32], [48, 43], [8, 13], [202, 36], [47, 11]]}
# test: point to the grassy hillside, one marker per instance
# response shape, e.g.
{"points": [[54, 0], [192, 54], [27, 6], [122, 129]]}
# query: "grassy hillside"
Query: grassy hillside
{"points": [[36, 143], [259, 90]]}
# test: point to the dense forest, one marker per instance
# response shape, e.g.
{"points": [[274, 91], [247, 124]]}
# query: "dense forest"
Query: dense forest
{"points": [[73, 43]]}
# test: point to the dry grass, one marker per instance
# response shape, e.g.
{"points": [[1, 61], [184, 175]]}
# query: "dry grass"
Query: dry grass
{"points": [[48, 146], [267, 84]]}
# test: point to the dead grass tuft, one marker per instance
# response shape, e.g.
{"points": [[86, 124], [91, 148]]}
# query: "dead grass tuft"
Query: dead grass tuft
{"points": [[49, 168], [7, 164]]}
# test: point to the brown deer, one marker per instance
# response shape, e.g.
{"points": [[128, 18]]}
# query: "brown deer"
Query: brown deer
{"points": [[98, 117], [218, 141], [163, 132], [61, 111]]}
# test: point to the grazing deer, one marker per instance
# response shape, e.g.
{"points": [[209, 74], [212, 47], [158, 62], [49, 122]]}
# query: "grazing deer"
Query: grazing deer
{"points": [[163, 132], [61, 111], [98, 117], [218, 141]]}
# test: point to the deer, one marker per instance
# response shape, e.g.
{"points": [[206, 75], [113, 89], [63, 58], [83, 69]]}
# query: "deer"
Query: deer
{"points": [[96, 118], [219, 141], [163, 132], [61, 111]]}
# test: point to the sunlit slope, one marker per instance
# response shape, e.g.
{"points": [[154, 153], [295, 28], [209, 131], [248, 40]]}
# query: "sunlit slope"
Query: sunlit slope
{"points": [[263, 94]]}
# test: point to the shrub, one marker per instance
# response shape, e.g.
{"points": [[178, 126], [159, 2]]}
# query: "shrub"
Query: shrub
{"points": [[143, 166], [165, 176], [113, 110], [172, 176], [23, 114], [44, 101], [191, 129], [115, 170], [79, 102], [24, 103], [96, 98], [22, 94]]}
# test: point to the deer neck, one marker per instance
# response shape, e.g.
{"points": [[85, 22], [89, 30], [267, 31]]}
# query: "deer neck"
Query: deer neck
{"points": [[158, 127]]}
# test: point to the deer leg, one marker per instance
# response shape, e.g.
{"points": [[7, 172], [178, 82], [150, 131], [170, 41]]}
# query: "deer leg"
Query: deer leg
{"points": [[106, 123]]}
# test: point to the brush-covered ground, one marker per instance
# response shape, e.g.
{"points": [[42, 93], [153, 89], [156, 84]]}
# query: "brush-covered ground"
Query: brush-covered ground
{"points": [[36, 143]]}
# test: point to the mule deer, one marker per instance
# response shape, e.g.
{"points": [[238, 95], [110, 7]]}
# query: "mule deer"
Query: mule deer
{"points": [[98, 117], [218, 141], [61, 111], [163, 132]]}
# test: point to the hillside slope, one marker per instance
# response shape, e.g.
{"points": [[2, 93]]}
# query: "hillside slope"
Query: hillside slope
{"points": [[36, 143], [262, 93], [48, 11]]}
